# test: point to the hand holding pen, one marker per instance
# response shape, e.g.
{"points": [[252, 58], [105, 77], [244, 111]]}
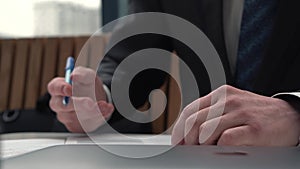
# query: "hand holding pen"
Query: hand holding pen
{"points": [[87, 108]]}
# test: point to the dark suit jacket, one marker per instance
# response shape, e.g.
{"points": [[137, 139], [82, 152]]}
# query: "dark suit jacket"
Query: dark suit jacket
{"points": [[279, 71]]}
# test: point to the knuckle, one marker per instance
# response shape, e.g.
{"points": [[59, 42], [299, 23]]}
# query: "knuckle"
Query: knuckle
{"points": [[224, 90], [191, 126], [191, 109], [244, 114], [50, 87], [227, 138], [229, 89], [190, 122], [52, 104], [90, 72], [84, 75], [184, 113], [256, 128], [232, 101], [175, 130], [224, 86], [83, 71], [56, 105], [79, 69], [202, 127], [54, 84]]}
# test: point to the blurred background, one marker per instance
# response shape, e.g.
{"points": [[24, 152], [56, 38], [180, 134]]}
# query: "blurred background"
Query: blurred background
{"points": [[40, 18], [36, 37]]}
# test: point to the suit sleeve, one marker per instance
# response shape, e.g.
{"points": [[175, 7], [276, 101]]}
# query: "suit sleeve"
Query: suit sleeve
{"points": [[147, 80]]}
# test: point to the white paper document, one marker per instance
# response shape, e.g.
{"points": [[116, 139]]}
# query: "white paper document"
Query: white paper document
{"points": [[14, 146], [11, 148]]}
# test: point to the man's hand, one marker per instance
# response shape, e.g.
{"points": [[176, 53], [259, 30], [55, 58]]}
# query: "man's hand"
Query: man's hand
{"points": [[248, 119], [88, 99]]}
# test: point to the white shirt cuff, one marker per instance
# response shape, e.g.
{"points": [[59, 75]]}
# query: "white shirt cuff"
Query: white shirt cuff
{"points": [[297, 94], [108, 94]]}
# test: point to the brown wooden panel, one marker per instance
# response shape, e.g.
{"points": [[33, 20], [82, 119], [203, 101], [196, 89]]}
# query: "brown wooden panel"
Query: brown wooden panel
{"points": [[19, 75], [174, 102], [81, 50], [32, 89], [0, 53], [65, 50], [158, 125], [7, 57], [49, 64], [96, 47], [174, 96]]}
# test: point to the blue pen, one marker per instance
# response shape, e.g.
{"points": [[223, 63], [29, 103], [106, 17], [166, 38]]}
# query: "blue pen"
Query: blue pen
{"points": [[68, 70]]}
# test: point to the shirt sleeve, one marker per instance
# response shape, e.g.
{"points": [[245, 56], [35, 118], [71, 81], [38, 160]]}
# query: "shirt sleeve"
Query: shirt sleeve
{"points": [[294, 94], [108, 94]]}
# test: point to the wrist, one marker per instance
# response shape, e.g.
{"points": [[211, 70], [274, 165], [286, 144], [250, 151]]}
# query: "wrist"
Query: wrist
{"points": [[294, 102]]}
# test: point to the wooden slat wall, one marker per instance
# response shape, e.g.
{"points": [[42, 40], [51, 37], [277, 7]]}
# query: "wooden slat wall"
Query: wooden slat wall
{"points": [[96, 51], [0, 55], [91, 53], [49, 63], [27, 66], [32, 90], [81, 50], [7, 57], [19, 75]]}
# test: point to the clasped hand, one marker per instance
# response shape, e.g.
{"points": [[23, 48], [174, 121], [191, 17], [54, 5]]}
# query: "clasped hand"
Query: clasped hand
{"points": [[247, 119]]}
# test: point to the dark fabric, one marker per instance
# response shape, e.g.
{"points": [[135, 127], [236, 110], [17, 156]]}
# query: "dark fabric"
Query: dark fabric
{"points": [[43, 119], [277, 71], [29, 120], [256, 28], [280, 66], [40, 119]]}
